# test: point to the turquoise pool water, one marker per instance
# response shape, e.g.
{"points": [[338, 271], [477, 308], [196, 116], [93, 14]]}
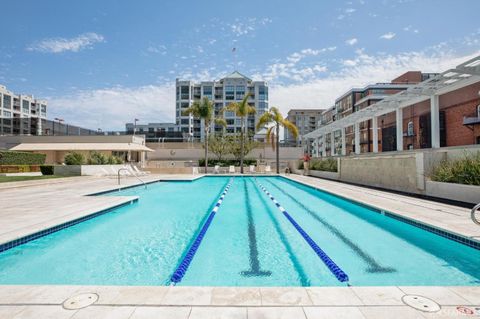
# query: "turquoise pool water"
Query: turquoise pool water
{"points": [[249, 242]]}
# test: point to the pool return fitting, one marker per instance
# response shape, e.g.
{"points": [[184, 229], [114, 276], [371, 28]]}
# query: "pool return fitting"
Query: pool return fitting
{"points": [[334, 269], [187, 259]]}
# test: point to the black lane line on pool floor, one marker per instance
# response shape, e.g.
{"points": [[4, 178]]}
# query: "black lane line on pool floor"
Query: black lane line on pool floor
{"points": [[283, 239], [252, 241], [373, 265]]}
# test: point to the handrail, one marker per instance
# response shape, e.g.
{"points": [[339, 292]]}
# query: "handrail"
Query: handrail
{"points": [[126, 169], [474, 209]]}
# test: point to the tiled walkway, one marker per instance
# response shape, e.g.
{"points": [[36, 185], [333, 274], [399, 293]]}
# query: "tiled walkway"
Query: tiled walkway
{"points": [[31, 206]]}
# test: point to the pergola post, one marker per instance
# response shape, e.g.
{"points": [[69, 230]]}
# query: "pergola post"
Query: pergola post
{"points": [[375, 133], [435, 120], [318, 146], [357, 138], [332, 144], [324, 153], [344, 142], [399, 118]]}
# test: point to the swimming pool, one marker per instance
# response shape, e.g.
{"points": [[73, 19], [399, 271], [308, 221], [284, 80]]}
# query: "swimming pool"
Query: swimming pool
{"points": [[249, 242]]}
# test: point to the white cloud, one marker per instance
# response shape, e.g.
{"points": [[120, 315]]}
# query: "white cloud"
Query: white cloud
{"points": [[351, 41], [58, 45], [291, 71], [111, 108], [350, 10], [362, 70], [240, 27], [388, 36], [160, 49]]}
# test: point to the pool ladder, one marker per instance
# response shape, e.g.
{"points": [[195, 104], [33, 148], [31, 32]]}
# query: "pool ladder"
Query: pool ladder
{"points": [[474, 209], [135, 175]]}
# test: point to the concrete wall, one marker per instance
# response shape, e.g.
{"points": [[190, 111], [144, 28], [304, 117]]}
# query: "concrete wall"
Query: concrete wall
{"points": [[397, 172], [458, 192]]}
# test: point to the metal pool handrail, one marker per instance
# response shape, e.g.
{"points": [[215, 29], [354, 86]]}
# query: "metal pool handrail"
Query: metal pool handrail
{"points": [[126, 169], [474, 209]]}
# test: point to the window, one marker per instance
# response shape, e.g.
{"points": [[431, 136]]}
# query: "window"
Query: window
{"points": [[25, 106], [262, 105], [207, 91], [184, 105], [262, 92], [7, 114], [196, 92], [229, 92], [185, 121], [218, 93], [185, 92], [240, 92], [230, 121], [7, 102]]}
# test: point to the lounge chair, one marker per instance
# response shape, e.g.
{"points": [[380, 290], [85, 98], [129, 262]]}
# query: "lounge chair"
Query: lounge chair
{"points": [[216, 169], [268, 169], [231, 169], [194, 170], [139, 172], [252, 169]]}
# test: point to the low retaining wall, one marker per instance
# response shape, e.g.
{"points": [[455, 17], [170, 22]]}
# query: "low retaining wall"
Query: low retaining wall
{"points": [[86, 170], [451, 191], [324, 174]]}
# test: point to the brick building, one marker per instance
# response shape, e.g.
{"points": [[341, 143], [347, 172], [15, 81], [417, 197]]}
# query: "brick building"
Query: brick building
{"points": [[400, 118]]}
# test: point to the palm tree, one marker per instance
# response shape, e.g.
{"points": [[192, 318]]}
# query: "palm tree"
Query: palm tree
{"points": [[204, 110], [242, 110], [273, 116]]}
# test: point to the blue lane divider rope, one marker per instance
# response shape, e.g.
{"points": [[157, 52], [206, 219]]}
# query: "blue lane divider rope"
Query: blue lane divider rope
{"points": [[332, 266], [187, 259]]}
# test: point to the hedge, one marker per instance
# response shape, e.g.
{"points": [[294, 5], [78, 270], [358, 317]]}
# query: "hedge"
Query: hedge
{"points": [[46, 169], [21, 158]]}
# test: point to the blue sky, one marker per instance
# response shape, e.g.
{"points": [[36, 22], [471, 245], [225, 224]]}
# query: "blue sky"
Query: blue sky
{"points": [[102, 63]]}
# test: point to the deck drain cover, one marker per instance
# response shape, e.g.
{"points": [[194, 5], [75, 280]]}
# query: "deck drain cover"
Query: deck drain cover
{"points": [[421, 303], [80, 301]]}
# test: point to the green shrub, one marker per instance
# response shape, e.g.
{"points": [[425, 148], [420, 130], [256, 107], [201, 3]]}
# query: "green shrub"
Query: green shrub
{"points": [[74, 158], [328, 165], [461, 171], [21, 158], [97, 158], [46, 169], [225, 162]]}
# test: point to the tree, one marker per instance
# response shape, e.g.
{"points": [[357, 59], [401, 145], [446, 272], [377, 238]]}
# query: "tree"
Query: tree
{"points": [[220, 146], [273, 116], [236, 148], [242, 110], [204, 110]]}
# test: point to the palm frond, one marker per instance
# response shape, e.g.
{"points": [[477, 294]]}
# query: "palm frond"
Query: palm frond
{"points": [[290, 127], [221, 121]]}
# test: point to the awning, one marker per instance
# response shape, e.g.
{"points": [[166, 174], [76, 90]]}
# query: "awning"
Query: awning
{"points": [[80, 147]]}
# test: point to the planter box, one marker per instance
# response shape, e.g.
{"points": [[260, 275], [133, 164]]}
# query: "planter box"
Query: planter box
{"points": [[87, 170], [324, 174], [452, 191]]}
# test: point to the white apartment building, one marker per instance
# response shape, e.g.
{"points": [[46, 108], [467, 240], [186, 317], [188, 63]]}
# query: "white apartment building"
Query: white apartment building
{"points": [[17, 112], [305, 120], [231, 88]]}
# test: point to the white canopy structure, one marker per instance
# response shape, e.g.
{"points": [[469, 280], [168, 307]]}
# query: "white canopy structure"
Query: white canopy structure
{"points": [[463, 75]]}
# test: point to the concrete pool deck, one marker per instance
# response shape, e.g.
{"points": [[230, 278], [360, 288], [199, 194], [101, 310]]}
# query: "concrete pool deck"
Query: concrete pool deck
{"points": [[30, 206]]}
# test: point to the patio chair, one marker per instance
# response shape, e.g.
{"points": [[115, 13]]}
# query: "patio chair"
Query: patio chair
{"points": [[268, 169], [231, 169], [216, 169], [139, 172], [252, 168]]}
